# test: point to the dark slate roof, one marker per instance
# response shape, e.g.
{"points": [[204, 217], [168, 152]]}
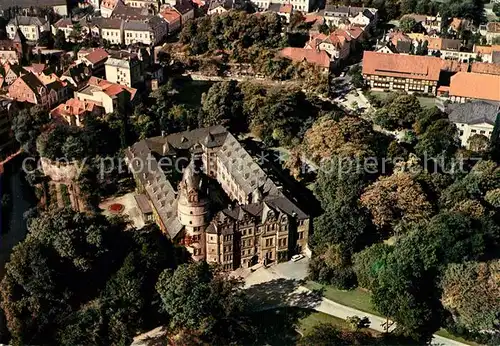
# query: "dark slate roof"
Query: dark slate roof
{"points": [[404, 46], [273, 7], [25, 20], [227, 4], [107, 23], [474, 112], [32, 82], [450, 44], [495, 57], [4, 4], [286, 206], [184, 7]]}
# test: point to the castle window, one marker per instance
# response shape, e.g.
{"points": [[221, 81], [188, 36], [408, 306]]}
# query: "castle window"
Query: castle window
{"points": [[190, 222], [191, 212]]}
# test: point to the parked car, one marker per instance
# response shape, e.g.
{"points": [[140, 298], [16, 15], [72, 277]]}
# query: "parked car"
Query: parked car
{"points": [[298, 257]]}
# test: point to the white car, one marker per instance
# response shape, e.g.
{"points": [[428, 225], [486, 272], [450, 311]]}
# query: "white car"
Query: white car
{"points": [[296, 258]]}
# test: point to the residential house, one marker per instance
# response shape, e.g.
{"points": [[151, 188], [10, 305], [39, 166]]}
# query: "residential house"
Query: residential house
{"points": [[311, 56], [219, 6], [186, 10], [283, 10], [74, 112], [30, 27], [150, 31], [485, 53], [298, 5], [127, 12], [95, 59], [172, 18], [108, 6], [316, 21], [58, 90], [341, 15], [447, 49], [387, 48], [492, 32], [67, 26], [111, 96], [12, 72], [112, 30], [473, 118], [429, 23], [334, 44], [10, 52], [28, 88], [148, 4], [38, 68], [77, 75], [409, 73], [59, 6], [401, 41], [468, 86], [124, 68]]}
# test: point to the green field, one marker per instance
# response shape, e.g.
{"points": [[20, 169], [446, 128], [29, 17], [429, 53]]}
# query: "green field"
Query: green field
{"points": [[357, 298]]}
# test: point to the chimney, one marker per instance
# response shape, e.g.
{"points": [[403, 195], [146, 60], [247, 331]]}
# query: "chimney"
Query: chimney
{"points": [[163, 133], [230, 207]]}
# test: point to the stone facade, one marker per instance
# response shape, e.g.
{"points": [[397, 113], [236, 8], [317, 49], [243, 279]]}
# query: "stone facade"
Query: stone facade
{"points": [[261, 225]]}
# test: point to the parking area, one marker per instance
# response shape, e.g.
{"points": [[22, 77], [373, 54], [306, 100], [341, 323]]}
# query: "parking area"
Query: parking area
{"points": [[287, 270]]}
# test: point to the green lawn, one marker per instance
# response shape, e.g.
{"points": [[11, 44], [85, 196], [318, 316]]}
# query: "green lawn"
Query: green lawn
{"points": [[306, 324], [356, 298], [359, 299], [425, 102]]}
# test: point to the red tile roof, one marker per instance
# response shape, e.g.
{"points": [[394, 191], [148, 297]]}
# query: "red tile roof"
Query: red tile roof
{"points": [[483, 67], [73, 107], [312, 56], [98, 55], [110, 88], [475, 86], [286, 8], [403, 66], [170, 15], [487, 49]]}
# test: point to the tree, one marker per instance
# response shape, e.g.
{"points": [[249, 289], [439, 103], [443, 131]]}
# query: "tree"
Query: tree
{"points": [[27, 126], [478, 142], [60, 40], [400, 112], [496, 9], [197, 297], [81, 279], [347, 136], [439, 142], [407, 24], [405, 292], [471, 292], [223, 104], [369, 262], [395, 200], [333, 267]]}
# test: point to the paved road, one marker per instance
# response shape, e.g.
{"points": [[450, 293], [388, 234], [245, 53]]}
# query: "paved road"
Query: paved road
{"points": [[280, 285]]}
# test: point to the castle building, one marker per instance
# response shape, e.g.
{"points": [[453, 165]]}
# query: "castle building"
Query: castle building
{"points": [[261, 225]]}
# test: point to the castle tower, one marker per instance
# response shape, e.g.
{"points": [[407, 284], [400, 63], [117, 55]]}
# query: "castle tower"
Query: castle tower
{"points": [[192, 211]]}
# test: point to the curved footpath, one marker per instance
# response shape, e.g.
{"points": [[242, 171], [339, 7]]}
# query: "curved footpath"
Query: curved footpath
{"points": [[280, 286]]}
